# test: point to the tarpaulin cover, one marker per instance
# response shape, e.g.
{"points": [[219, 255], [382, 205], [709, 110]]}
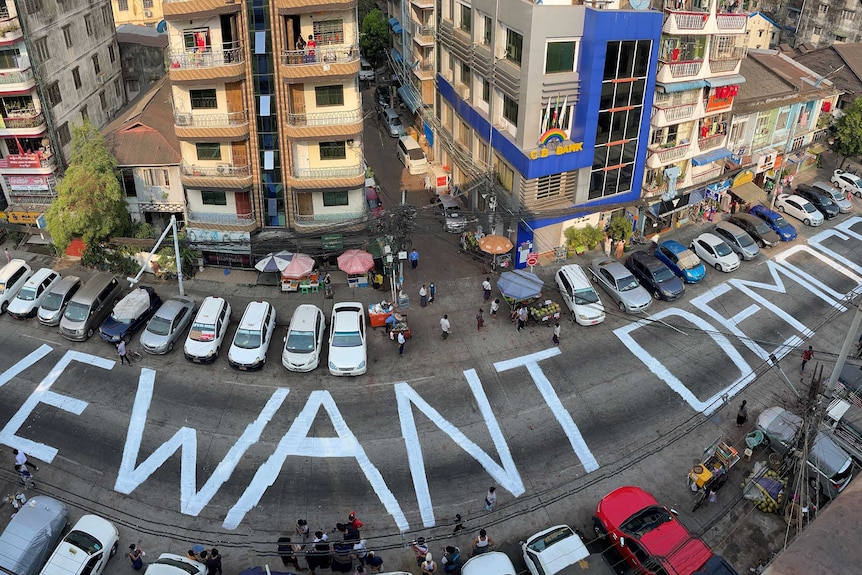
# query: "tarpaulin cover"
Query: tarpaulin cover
{"points": [[132, 306], [31, 535], [520, 285]]}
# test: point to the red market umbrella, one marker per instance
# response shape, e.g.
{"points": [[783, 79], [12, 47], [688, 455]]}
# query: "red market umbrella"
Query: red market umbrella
{"points": [[300, 266], [495, 245], [355, 262]]}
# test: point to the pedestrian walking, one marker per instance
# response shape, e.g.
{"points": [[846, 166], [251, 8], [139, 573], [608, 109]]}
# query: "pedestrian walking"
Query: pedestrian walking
{"points": [[401, 341], [354, 522], [733, 207], [522, 317], [420, 550], [451, 559], [432, 291], [429, 567], [491, 499], [21, 459], [287, 550], [619, 249], [348, 533], [373, 562], [486, 289], [136, 555], [480, 319], [495, 307], [806, 357], [609, 244], [121, 351], [414, 259], [742, 414], [301, 524], [423, 296], [482, 543], [26, 476], [445, 326], [8, 256], [556, 337]]}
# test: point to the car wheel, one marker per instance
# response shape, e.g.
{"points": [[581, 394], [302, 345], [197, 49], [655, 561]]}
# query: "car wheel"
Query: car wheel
{"points": [[780, 208], [806, 221], [170, 346], [858, 193], [114, 549], [622, 307], [718, 267], [127, 338], [218, 349], [90, 333], [599, 529], [656, 295], [4, 306]]}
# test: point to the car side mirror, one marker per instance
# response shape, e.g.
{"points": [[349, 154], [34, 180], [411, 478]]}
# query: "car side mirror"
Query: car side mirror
{"points": [[622, 541]]}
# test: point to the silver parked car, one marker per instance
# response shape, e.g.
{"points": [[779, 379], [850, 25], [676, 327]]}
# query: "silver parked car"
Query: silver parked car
{"points": [[620, 284], [168, 324]]}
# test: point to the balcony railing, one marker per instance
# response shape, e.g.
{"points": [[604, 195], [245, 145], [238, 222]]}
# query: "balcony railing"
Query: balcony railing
{"points": [[669, 154], [734, 53], [30, 121], [228, 219], [325, 118], [321, 54], [676, 113], [322, 173], [4, 13], [206, 59], [690, 20], [683, 69], [328, 218], [710, 142], [211, 120], [716, 66], [706, 176], [731, 21], [16, 76], [423, 33], [219, 171]]}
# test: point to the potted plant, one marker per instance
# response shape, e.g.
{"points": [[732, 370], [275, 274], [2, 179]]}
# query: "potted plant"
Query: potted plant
{"points": [[575, 241], [620, 228], [593, 236]]}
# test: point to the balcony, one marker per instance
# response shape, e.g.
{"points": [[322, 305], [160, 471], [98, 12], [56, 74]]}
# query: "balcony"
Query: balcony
{"points": [[28, 163], [230, 126], [338, 217], [189, 66], [177, 9], [673, 114], [722, 66], [661, 156], [423, 4], [731, 22], [16, 80], [732, 53], [327, 178], [11, 31], [424, 71], [423, 35], [710, 142], [324, 62], [222, 222], [683, 69], [221, 176], [291, 7], [703, 177], [680, 21], [24, 123], [346, 124]]}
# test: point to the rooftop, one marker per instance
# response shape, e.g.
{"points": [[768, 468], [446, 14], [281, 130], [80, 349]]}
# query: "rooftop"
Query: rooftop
{"points": [[773, 78], [841, 63]]}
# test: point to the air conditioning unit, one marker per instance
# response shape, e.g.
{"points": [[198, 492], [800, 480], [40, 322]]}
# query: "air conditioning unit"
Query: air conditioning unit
{"points": [[222, 168], [448, 75], [100, 78], [148, 13], [500, 53], [182, 120], [464, 91]]}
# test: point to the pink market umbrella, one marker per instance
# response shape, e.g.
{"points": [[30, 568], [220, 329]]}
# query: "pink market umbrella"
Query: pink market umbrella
{"points": [[300, 266], [355, 262]]}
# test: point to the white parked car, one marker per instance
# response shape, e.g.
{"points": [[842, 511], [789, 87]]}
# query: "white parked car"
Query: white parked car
{"points": [[85, 550], [848, 182], [304, 339], [251, 340], [552, 550], [579, 296], [347, 345], [170, 564], [799, 208], [208, 330], [715, 252], [26, 303], [490, 563]]}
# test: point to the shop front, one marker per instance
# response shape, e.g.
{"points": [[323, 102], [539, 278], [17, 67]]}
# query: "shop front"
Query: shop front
{"points": [[745, 191], [667, 214]]}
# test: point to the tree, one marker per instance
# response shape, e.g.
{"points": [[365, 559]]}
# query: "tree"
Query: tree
{"points": [[90, 201], [374, 39], [848, 132]]}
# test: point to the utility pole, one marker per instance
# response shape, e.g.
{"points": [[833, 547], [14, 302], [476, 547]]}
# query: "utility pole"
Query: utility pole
{"points": [[172, 225]]}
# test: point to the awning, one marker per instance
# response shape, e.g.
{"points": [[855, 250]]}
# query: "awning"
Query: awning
{"points": [[680, 86], [817, 148], [393, 21], [397, 29], [396, 55], [725, 80], [711, 156], [409, 98], [664, 208], [750, 193]]}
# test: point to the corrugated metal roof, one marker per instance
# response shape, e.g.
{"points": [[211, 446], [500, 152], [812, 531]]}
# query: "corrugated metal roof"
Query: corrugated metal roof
{"points": [[827, 61]]}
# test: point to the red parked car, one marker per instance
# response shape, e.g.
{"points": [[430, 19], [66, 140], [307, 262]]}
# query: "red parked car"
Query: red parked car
{"points": [[651, 539], [372, 196]]}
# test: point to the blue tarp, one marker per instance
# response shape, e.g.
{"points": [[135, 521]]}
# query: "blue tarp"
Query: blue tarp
{"points": [[711, 156], [725, 80], [393, 21], [520, 285], [396, 55], [409, 98], [397, 29], [680, 86]]}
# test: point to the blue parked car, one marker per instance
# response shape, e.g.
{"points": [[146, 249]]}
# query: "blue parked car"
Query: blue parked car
{"points": [[776, 221], [130, 313], [681, 260]]}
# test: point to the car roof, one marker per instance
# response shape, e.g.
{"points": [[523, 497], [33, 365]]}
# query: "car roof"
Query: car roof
{"points": [[732, 228], [39, 277], [345, 316], [67, 558], [622, 503], [27, 529], [674, 246], [562, 552], [304, 317], [615, 268], [765, 211], [210, 307], [490, 563], [172, 306], [253, 316], [576, 275], [157, 568], [650, 261], [709, 238]]}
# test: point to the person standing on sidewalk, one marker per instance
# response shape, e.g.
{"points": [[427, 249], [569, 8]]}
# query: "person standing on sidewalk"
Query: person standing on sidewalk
{"points": [[742, 414], [401, 341], [445, 326], [414, 258], [480, 319], [423, 296], [8, 256], [26, 476], [491, 499], [486, 289], [495, 307], [431, 292], [522, 317], [807, 355], [556, 337]]}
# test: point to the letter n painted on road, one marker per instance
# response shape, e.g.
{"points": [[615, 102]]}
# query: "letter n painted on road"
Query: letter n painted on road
{"points": [[531, 362], [506, 475], [297, 442]]}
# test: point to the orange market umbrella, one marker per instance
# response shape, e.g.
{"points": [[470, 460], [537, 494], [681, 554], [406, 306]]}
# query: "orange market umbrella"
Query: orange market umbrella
{"points": [[300, 266], [495, 245], [355, 262]]}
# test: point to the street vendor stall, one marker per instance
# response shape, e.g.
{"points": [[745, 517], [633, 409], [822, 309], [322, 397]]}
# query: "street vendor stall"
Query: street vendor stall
{"points": [[400, 327], [356, 263], [544, 311], [299, 275], [519, 287], [378, 312], [717, 459]]}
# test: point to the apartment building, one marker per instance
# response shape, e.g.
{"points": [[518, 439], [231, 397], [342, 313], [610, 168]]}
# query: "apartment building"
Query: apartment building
{"points": [[703, 43], [59, 65], [269, 117], [138, 12], [413, 55], [817, 23], [553, 99]]}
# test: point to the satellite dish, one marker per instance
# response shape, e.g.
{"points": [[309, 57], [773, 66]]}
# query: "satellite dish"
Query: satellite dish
{"points": [[162, 27], [639, 4]]}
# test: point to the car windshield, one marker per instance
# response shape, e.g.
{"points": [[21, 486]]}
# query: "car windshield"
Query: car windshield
{"points": [[84, 541], [300, 342], [836, 195], [159, 326], [187, 567], [346, 339], [247, 338], [540, 544], [125, 320], [780, 222], [416, 154], [395, 121], [27, 293], [745, 239], [202, 332], [664, 275], [77, 311], [585, 296], [52, 302], [809, 207], [646, 520], [722, 249], [627, 283]]}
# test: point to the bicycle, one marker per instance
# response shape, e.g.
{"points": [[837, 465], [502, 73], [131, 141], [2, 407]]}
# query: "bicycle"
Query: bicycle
{"points": [[134, 355]]}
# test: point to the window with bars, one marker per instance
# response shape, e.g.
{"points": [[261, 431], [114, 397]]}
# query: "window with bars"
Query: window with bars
{"points": [[514, 46], [823, 9], [333, 151], [88, 24], [737, 132], [847, 14], [148, 4], [156, 177], [96, 67], [9, 58], [203, 99], [32, 6], [339, 198], [54, 95], [208, 151], [64, 134], [42, 49], [329, 31], [67, 35], [329, 95], [549, 186], [510, 110], [107, 19], [123, 5]]}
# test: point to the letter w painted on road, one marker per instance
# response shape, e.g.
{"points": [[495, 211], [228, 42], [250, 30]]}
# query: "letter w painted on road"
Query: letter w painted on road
{"points": [[506, 475], [191, 501]]}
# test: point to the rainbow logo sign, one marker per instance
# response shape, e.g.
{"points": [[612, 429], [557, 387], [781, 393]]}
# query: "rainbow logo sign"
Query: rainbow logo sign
{"points": [[551, 135]]}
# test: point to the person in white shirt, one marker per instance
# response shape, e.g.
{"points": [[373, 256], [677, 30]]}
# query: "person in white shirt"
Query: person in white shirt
{"points": [[445, 326], [21, 459], [486, 289]]}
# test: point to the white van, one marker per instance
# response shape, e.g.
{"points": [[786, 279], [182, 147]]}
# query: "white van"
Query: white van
{"points": [[411, 155], [579, 295], [34, 290], [13, 276], [208, 330], [366, 71]]}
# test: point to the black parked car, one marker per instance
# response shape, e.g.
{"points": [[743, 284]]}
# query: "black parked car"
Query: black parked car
{"points": [[821, 200], [655, 276], [756, 228], [383, 96]]}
